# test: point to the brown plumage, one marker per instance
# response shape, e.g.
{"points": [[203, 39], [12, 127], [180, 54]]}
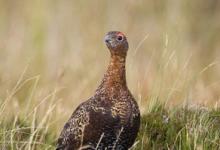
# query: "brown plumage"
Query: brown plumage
{"points": [[110, 119]]}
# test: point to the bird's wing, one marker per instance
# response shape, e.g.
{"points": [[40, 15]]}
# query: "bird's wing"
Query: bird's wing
{"points": [[74, 128], [87, 125]]}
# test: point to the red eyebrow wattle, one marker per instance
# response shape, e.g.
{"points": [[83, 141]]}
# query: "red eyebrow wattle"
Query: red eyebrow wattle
{"points": [[120, 34]]}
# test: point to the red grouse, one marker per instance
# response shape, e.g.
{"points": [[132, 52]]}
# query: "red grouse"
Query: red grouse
{"points": [[110, 119]]}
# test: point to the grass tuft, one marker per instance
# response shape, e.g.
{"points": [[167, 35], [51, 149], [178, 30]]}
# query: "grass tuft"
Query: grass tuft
{"points": [[183, 128]]}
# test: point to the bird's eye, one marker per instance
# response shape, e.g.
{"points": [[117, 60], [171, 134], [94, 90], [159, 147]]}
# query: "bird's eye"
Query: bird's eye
{"points": [[119, 38]]}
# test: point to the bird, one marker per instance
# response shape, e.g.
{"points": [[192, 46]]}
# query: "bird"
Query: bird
{"points": [[110, 119]]}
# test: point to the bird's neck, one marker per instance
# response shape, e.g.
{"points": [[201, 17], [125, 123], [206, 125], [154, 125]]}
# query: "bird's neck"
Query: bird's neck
{"points": [[115, 75]]}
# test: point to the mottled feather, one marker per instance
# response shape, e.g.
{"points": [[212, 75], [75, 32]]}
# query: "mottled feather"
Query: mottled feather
{"points": [[110, 119]]}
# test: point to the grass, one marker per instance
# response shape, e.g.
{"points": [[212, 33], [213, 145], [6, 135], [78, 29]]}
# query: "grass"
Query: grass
{"points": [[184, 128], [35, 125]]}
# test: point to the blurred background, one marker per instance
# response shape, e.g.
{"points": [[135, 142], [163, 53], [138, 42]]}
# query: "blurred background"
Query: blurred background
{"points": [[52, 54]]}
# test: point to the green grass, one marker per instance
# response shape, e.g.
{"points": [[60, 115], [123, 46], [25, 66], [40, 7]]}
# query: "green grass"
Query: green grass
{"points": [[183, 128], [19, 134]]}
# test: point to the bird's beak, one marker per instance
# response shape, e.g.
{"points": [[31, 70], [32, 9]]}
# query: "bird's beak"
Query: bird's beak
{"points": [[107, 39]]}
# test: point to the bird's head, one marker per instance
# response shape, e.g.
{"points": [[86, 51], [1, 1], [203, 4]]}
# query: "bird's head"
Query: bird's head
{"points": [[117, 43]]}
